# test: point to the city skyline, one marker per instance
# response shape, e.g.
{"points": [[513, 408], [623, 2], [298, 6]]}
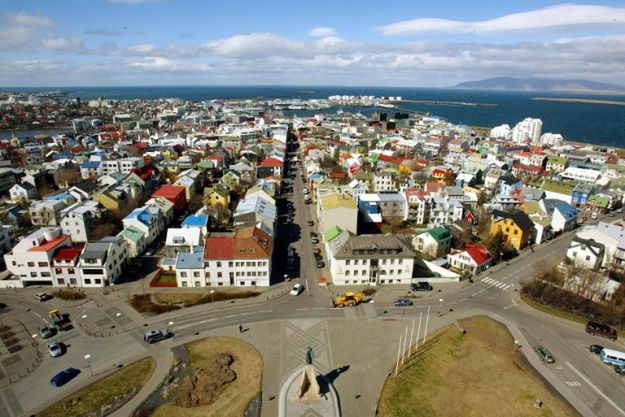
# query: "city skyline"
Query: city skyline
{"points": [[167, 42]]}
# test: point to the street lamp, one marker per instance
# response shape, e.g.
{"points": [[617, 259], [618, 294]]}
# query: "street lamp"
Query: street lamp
{"points": [[212, 292], [87, 358], [440, 305]]}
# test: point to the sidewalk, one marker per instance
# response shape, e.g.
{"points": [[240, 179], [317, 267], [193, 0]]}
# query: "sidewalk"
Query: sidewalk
{"points": [[164, 360]]}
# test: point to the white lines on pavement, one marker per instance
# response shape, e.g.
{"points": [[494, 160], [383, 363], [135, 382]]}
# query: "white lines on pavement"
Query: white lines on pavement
{"points": [[302, 309], [491, 282], [509, 306], [605, 397], [266, 311], [481, 291], [573, 383]]}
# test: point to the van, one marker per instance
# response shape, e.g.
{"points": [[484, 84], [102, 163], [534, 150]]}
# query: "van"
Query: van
{"points": [[594, 215], [598, 329], [154, 336]]}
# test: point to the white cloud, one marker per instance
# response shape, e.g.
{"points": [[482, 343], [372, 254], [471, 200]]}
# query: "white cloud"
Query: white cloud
{"points": [[322, 32], [25, 19], [17, 38], [255, 45], [556, 17], [62, 43], [103, 32]]}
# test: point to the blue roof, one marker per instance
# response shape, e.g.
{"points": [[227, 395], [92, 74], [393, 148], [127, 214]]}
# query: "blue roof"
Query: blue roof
{"points": [[90, 164], [63, 155], [60, 196], [196, 220], [190, 260], [567, 210], [142, 214]]}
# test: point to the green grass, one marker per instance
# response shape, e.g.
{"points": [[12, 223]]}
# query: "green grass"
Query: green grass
{"points": [[104, 392], [476, 374], [167, 279]]}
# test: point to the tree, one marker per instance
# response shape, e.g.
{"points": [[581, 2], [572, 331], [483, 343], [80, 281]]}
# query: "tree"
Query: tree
{"points": [[67, 176]]}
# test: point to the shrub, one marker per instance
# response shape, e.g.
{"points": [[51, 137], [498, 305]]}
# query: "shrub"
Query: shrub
{"points": [[143, 304], [69, 295]]}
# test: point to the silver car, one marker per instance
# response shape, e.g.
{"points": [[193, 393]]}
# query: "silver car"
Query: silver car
{"points": [[55, 349]]}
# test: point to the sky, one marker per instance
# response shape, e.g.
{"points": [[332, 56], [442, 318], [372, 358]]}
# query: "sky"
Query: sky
{"points": [[402, 43]]}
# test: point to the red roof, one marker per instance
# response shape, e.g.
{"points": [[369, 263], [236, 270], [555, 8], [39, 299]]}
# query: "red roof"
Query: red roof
{"points": [[272, 162], [478, 252], [169, 191], [68, 253], [220, 248], [337, 175], [48, 246]]}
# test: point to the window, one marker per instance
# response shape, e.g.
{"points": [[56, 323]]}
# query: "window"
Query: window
{"points": [[347, 262], [184, 283], [218, 264], [33, 274], [87, 281], [183, 274], [45, 274], [61, 281], [58, 270], [219, 274], [196, 274], [71, 271], [347, 273], [97, 281], [31, 264]]}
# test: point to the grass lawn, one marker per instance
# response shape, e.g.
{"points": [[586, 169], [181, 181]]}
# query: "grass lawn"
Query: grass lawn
{"points": [[193, 298], [167, 279], [233, 402], [473, 375], [103, 392]]}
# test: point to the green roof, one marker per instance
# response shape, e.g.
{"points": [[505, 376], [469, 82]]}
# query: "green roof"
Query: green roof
{"points": [[440, 234], [601, 200], [332, 233], [205, 165], [132, 233], [558, 160]]}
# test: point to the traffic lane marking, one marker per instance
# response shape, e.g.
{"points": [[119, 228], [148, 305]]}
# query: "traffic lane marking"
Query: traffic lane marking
{"points": [[593, 386]]}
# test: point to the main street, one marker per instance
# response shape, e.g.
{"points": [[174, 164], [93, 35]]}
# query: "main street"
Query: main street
{"points": [[363, 337]]}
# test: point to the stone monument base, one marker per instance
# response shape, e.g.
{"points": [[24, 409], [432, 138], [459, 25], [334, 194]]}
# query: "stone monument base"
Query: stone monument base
{"points": [[308, 389], [324, 405]]}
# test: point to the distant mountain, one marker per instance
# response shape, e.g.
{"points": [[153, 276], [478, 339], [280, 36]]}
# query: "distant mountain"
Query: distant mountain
{"points": [[541, 84]]}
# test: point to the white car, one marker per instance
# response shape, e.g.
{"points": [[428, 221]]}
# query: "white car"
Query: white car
{"points": [[297, 289], [55, 349], [305, 190]]}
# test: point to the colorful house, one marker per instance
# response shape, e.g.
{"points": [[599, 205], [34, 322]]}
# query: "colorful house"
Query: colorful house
{"points": [[173, 193], [516, 227]]}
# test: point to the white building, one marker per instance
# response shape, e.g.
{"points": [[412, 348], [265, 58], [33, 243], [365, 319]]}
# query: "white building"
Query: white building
{"points": [[501, 132], [31, 258], [527, 130], [242, 260], [78, 219], [23, 192], [102, 262], [370, 259], [148, 219], [551, 139]]}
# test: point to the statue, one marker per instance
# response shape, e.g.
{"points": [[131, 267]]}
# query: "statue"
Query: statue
{"points": [[308, 387], [309, 356]]}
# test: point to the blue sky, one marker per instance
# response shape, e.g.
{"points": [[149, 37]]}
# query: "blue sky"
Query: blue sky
{"points": [[395, 42]]}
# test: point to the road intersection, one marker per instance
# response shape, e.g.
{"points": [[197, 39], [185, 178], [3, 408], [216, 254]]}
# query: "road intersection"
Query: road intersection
{"points": [[364, 337]]}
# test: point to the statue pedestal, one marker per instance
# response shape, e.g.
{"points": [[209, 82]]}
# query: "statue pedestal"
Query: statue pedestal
{"points": [[308, 389]]}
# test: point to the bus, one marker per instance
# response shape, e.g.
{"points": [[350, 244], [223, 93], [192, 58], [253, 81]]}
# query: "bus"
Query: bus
{"points": [[612, 357]]}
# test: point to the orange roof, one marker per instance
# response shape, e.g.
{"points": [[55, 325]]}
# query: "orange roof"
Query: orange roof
{"points": [[169, 191], [253, 243], [48, 246]]}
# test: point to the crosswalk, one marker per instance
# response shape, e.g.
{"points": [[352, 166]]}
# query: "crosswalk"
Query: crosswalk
{"points": [[497, 284]]}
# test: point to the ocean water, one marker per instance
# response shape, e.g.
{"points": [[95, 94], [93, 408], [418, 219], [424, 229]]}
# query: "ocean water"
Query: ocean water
{"points": [[600, 124]]}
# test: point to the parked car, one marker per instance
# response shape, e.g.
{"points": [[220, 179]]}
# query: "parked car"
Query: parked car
{"points": [[317, 251], [154, 336], [311, 223], [596, 349], [598, 329], [297, 289], [402, 302], [619, 369], [317, 256], [64, 377], [320, 264], [42, 296], [421, 286], [544, 354], [314, 240], [149, 252], [46, 332], [305, 190], [55, 349], [594, 215]]}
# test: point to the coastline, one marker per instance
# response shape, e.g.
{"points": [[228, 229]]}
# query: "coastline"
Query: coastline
{"points": [[580, 100]]}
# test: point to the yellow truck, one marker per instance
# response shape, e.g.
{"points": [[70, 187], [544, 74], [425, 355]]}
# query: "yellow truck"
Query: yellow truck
{"points": [[349, 299]]}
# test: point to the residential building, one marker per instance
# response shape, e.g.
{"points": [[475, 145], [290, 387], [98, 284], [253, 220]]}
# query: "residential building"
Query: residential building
{"points": [[148, 219], [65, 271], [78, 219], [101, 263], [337, 210], [31, 258], [516, 227], [23, 192], [432, 243], [173, 193], [370, 259], [473, 259], [242, 260], [46, 212]]}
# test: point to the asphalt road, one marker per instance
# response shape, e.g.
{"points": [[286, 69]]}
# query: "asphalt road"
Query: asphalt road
{"points": [[577, 374]]}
